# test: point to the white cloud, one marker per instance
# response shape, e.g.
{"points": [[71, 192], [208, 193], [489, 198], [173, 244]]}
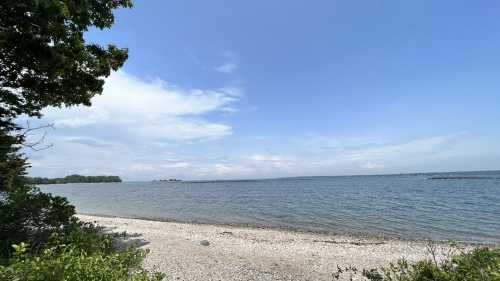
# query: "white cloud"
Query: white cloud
{"points": [[144, 130], [230, 170], [230, 65], [333, 155], [102, 152], [177, 165], [138, 167], [267, 158], [372, 166], [414, 148], [183, 129], [151, 109]]}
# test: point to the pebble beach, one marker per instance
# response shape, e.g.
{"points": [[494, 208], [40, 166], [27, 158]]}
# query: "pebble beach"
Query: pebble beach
{"points": [[185, 251]]}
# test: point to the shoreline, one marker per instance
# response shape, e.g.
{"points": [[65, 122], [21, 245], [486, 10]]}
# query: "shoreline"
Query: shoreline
{"points": [[262, 227], [188, 251], [353, 235]]}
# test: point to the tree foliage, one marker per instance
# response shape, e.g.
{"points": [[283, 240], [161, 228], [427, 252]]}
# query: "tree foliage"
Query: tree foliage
{"points": [[74, 179], [31, 216], [12, 164], [44, 59]]}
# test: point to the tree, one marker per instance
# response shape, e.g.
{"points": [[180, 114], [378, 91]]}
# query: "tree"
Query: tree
{"points": [[45, 61]]}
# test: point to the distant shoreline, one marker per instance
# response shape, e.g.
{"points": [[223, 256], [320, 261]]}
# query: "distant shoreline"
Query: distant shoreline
{"points": [[73, 179], [429, 174], [67, 183]]}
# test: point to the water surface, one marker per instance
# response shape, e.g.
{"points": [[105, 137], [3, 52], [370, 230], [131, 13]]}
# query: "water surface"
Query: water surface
{"points": [[407, 206]]}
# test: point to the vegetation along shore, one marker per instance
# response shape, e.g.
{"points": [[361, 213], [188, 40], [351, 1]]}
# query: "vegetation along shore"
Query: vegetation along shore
{"points": [[73, 179]]}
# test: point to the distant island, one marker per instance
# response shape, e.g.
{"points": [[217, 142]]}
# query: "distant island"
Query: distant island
{"points": [[167, 180], [73, 179]]}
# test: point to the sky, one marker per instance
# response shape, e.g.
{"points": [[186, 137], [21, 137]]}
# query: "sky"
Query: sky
{"points": [[265, 88]]}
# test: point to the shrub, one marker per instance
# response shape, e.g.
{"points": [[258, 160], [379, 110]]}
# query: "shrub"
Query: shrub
{"points": [[480, 264], [41, 240], [68, 262], [77, 251], [31, 216]]}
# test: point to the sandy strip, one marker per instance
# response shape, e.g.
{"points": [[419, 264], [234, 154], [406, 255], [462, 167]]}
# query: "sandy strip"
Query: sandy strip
{"points": [[240, 253]]}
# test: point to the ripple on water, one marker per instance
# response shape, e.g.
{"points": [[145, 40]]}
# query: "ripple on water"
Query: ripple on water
{"points": [[407, 206]]}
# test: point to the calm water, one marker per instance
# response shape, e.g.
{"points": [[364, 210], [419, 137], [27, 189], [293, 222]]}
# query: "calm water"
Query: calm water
{"points": [[407, 206]]}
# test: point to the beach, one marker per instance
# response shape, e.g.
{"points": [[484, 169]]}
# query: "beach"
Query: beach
{"points": [[186, 251]]}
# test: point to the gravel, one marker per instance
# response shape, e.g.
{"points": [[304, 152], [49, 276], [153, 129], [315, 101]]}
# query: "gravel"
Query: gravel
{"points": [[239, 253]]}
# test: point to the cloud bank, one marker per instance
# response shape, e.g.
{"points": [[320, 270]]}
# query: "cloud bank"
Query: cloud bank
{"points": [[152, 110], [143, 130]]}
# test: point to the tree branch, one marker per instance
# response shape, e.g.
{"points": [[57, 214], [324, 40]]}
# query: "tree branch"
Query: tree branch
{"points": [[37, 144]]}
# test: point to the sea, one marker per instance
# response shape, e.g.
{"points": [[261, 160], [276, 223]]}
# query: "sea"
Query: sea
{"points": [[436, 206]]}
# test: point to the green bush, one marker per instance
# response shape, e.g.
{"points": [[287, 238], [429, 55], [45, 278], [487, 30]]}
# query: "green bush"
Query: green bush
{"points": [[84, 235], [41, 240], [68, 262], [480, 264], [78, 251], [30, 216]]}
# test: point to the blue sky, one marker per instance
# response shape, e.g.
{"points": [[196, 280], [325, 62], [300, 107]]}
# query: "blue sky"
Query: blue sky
{"points": [[250, 89]]}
